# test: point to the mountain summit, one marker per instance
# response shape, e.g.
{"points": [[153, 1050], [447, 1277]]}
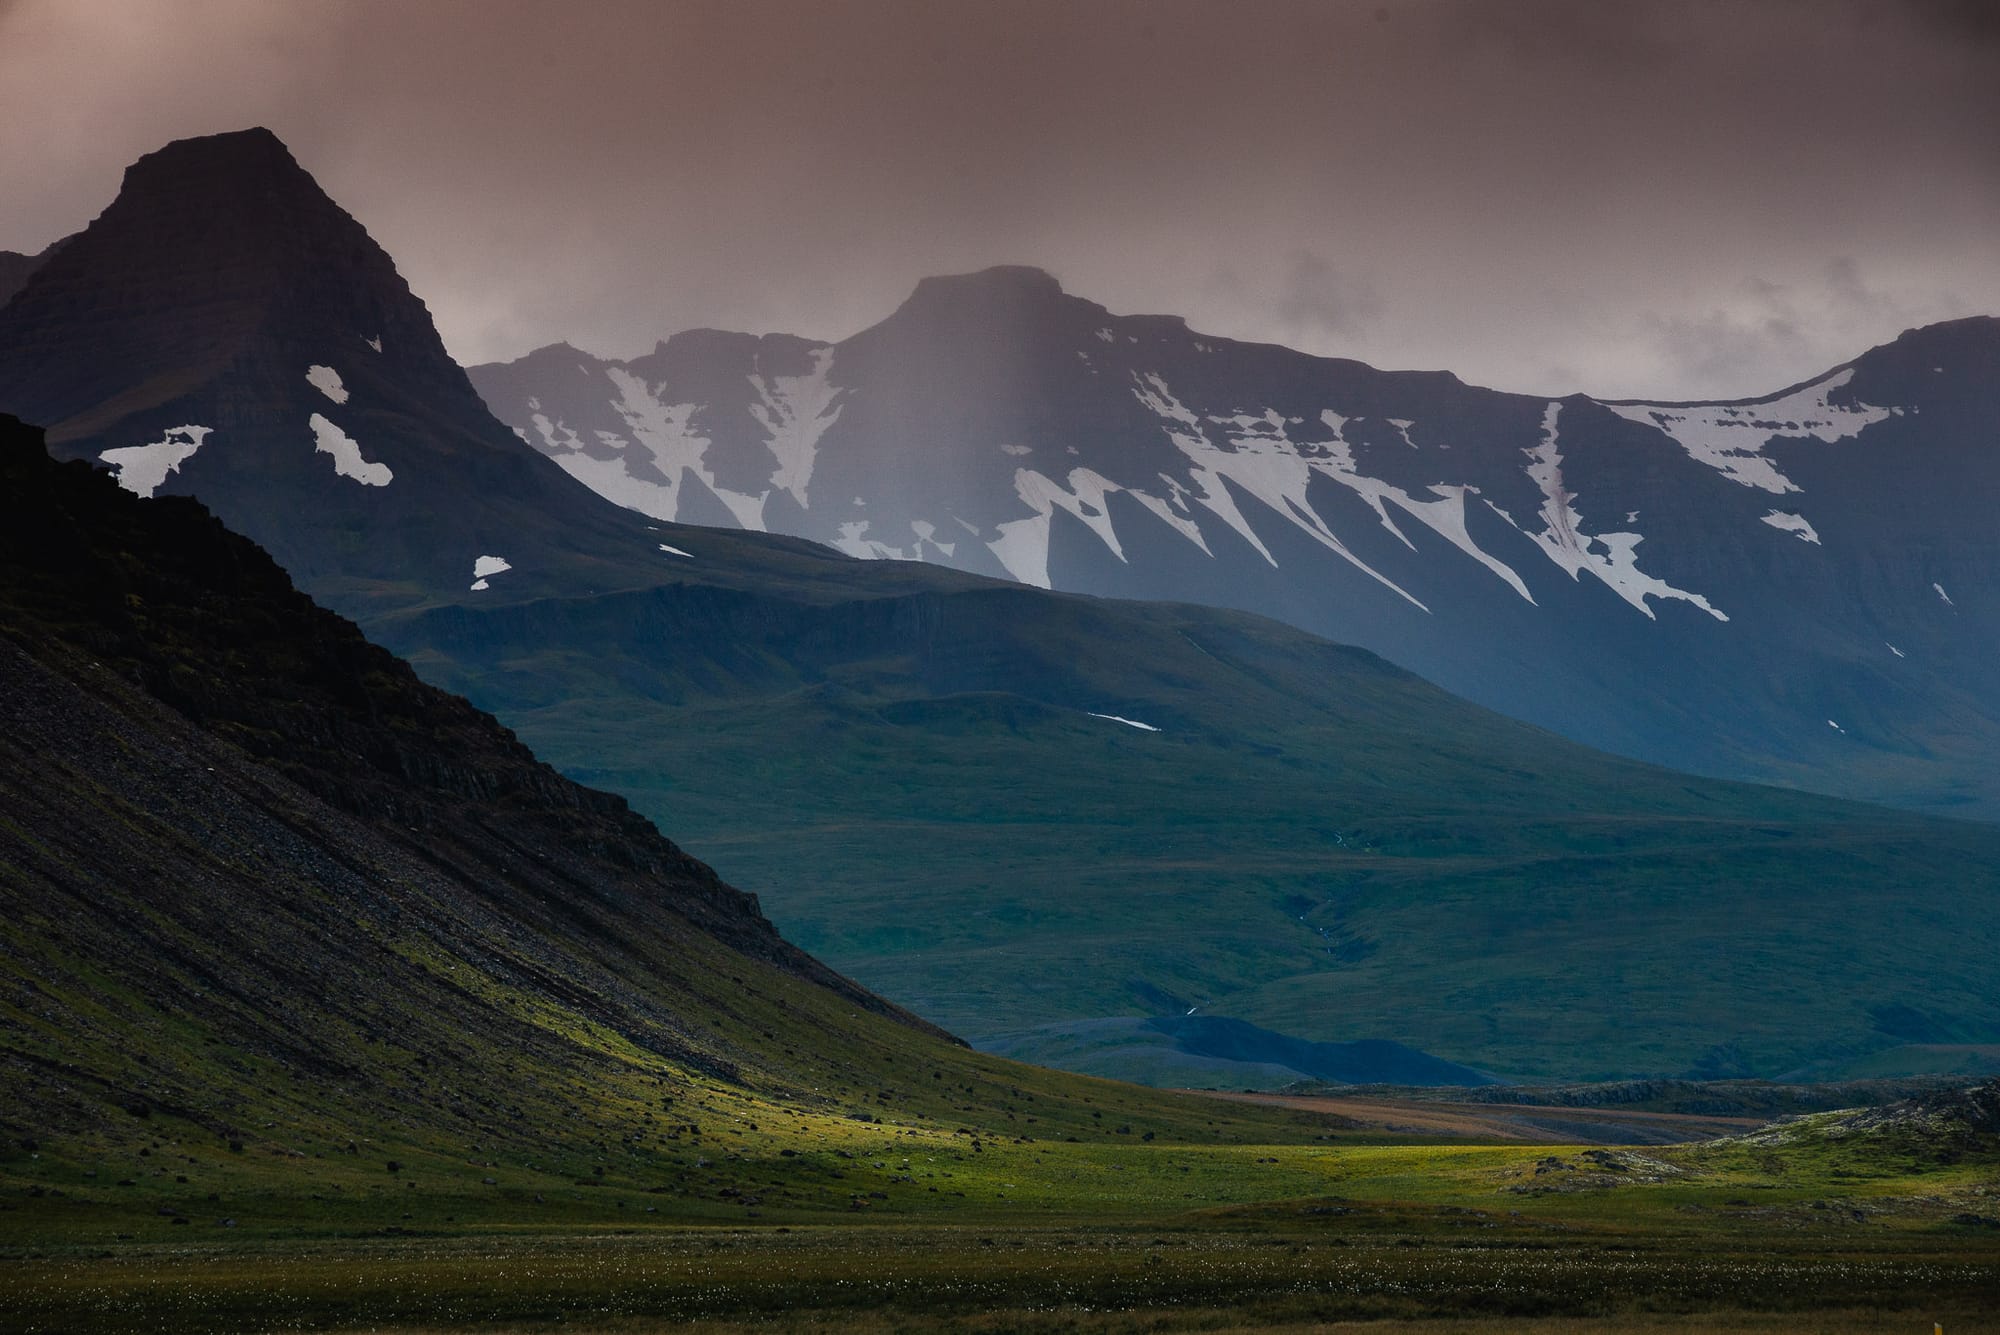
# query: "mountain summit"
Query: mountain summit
{"points": [[236, 257], [224, 329]]}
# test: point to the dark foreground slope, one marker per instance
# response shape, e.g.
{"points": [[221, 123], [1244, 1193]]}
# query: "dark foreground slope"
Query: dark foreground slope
{"points": [[265, 893], [1043, 820]]}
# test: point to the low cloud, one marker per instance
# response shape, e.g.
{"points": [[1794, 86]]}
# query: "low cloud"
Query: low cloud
{"points": [[1317, 299], [1771, 334]]}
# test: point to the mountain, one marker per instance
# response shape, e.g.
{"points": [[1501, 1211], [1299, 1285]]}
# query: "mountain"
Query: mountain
{"points": [[1011, 810], [1796, 588], [279, 918], [237, 336]]}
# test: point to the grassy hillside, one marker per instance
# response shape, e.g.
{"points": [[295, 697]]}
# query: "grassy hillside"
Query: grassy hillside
{"points": [[281, 920], [907, 766]]}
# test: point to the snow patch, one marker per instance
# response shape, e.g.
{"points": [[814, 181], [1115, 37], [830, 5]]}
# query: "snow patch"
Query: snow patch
{"points": [[1894, 650], [1791, 523], [347, 460], [1128, 722], [327, 381], [609, 479], [647, 469], [663, 428], [142, 468], [1731, 438], [795, 412], [484, 566], [1565, 542], [675, 551], [854, 540], [375, 343], [1260, 460], [1942, 594], [926, 531], [1016, 450], [1023, 548], [1443, 515], [1836, 727]]}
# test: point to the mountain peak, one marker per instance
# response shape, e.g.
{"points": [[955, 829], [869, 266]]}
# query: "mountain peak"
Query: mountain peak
{"points": [[1013, 282], [1012, 297], [235, 150], [217, 251]]}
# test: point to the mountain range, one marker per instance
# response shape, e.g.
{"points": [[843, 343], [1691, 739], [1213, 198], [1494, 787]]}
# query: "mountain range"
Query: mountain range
{"points": [[1049, 822], [1794, 588]]}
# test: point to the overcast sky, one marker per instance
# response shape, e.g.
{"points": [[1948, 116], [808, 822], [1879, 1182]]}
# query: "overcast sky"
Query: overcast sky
{"points": [[1662, 199]]}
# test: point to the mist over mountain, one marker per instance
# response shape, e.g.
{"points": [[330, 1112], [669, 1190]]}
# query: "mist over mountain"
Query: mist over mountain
{"points": [[1794, 588]]}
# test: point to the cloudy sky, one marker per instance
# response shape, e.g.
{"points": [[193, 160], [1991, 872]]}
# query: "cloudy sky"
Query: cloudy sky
{"points": [[1667, 199]]}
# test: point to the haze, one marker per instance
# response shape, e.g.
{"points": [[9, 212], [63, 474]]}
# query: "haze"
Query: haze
{"points": [[1674, 200]]}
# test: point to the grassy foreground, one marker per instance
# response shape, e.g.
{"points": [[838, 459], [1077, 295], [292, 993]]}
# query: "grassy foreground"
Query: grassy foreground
{"points": [[884, 1227]]}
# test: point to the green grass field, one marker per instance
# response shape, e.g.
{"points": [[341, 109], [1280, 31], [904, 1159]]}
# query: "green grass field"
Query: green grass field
{"points": [[827, 1223]]}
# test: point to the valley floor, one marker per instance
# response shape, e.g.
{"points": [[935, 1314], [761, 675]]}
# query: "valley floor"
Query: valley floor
{"points": [[1402, 1238], [990, 1279]]}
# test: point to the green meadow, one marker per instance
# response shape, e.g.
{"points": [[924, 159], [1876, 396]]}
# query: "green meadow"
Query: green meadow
{"points": [[809, 1221]]}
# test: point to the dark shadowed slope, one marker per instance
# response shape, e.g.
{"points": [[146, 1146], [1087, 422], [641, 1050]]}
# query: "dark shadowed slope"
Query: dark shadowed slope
{"points": [[230, 819]]}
